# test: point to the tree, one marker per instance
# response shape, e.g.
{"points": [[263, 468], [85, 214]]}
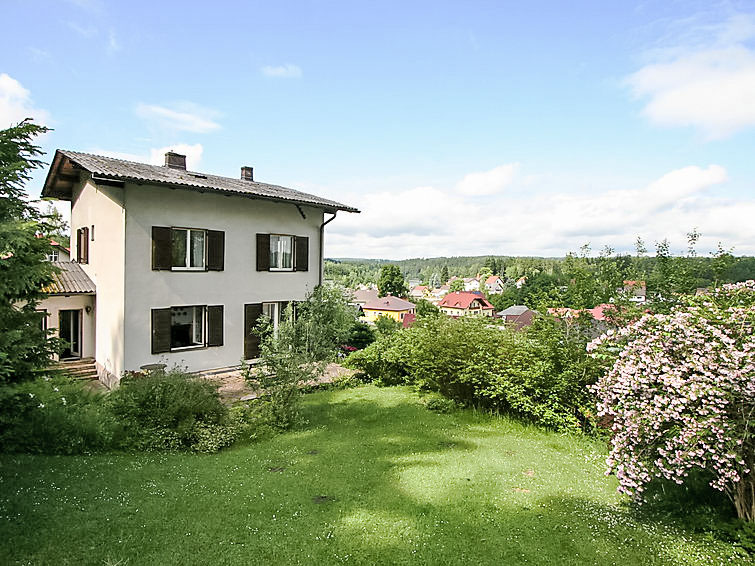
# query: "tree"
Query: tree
{"points": [[385, 325], [457, 285], [391, 282], [24, 345], [57, 227], [426, 308], [681, 395], [444, 276]]}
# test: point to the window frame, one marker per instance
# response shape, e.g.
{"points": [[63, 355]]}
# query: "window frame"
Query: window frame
{"points": [[54, 255], [203, 343], [292, 239], [187, 257]]}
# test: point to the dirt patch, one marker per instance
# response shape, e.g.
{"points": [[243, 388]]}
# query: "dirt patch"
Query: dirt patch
{"points": [[233, 388]]}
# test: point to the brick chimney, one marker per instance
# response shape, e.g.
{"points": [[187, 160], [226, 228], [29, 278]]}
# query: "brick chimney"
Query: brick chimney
{"points": [[247, 173], [175, 160]]}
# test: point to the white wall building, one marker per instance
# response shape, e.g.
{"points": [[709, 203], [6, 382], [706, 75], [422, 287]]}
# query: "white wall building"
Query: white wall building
{"points": [[184, 263]]}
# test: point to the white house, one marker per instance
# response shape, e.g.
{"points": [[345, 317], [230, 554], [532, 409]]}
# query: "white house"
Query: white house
{"points": [[181, 263], [494, 285]]}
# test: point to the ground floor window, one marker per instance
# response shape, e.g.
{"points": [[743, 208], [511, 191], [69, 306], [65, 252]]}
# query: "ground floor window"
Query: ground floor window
{"points": [[187, 327]]}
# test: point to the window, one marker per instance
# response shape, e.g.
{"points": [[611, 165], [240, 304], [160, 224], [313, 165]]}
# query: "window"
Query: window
{"points": [[187, 247], [281, 252], [54, 255], [271, 310], [82, 245], [184, 327]]}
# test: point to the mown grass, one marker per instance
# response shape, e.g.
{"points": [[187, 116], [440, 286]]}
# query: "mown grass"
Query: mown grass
{"points": [[373, 478]]}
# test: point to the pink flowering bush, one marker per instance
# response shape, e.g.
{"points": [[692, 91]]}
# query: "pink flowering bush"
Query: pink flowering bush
{"points": [[680, 394]]}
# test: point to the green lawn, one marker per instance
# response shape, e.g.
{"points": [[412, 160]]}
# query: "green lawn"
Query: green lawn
{"points": [[373, 478]]}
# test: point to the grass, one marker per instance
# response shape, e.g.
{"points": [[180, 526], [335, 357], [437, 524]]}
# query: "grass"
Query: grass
{"points": [[373, 478]]}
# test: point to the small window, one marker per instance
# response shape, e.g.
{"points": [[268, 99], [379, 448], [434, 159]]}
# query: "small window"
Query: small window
{"points": [[281, 252], [54, 255], [188, 248], [187, 327]]}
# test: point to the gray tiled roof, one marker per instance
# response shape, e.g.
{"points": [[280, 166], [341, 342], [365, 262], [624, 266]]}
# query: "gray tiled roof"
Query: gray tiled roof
{"points": [[70, 280], [122, 170], [514, 310], [389, 303]]}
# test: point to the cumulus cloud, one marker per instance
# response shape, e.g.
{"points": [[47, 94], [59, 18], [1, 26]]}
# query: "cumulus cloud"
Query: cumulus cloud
{"points": [[183, 117], [287, 71], [709, 85], [156, 156], [430, 221], [16, 103], [488, 182]]}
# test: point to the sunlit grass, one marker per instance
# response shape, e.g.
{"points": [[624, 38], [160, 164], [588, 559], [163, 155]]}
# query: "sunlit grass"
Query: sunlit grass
{"points": [[373, 478]]}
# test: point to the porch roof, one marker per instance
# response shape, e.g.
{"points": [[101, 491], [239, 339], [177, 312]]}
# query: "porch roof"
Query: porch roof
{"points": [[70, 280]]}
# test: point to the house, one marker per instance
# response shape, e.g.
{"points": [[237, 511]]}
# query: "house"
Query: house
{"points": [[521, 282], [436, 295], [419, 292], [518, 316], [389, 306], [180, 264], [636, 291], [362, 296], [494, 285], [471, 284], [465, 303], [58, 252]]}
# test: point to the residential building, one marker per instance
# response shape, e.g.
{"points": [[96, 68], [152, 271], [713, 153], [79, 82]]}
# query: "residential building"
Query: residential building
{"points": [[494, 285], [471, 284], [521, 282], [181, 264], [636, 291], [465, 303], [517, 316], [58, 252], [419, 292], [389, 306]]}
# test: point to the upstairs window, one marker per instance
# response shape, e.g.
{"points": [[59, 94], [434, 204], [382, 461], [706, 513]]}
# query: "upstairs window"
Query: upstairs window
{"points": [[280, 252], [187, 249], [54, 255]]}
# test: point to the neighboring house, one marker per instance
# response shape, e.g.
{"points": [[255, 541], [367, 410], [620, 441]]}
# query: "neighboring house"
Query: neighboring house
{"points": [[362, 296], [471, 284], [419, 292], [636, 291], [389, 306], [494, 285], [58, 252], [413, 282], [599, 316], [521, 282], [518, 316], [466, 303], [183, 263], [437, 294]]}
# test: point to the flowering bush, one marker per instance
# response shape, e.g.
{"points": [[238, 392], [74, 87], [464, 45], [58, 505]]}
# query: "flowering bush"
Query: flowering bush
{"points": [[680, 394]]}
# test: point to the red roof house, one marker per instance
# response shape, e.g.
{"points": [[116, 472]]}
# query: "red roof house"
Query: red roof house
{"points": [[464, 303]]}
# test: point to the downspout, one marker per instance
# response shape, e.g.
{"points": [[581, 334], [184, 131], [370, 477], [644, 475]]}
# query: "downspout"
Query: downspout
{"points": [[322, 247]]}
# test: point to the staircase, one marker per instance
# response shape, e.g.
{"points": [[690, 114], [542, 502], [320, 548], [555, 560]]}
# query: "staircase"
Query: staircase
{"points": [[82, 368]]}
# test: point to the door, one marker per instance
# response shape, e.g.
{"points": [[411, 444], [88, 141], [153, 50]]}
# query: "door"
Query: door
{"points": [[70, 332], [252, 313]]}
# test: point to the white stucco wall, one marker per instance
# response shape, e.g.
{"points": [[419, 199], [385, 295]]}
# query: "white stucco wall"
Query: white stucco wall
{"points": [[238, 284], [54, 304], [102, 207]]}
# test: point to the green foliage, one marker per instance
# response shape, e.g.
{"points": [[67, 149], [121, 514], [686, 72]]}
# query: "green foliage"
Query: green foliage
{"points": [[24, 347], [386, 326], [540, 375], [321, 325], [456, 285], [361, 335], [424, 307], [171, 410], [55, 416], [391, 282]]}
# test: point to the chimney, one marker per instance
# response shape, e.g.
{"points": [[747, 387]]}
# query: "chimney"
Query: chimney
{"points": [[175, 160], [247, 173]]}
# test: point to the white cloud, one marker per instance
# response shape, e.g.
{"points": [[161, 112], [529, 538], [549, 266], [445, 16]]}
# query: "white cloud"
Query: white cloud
{"points": [[709, 85], [287, 71], [156, 156], [184, 116], [488, 182], [16, 103], [430, 221], [113, 44]]}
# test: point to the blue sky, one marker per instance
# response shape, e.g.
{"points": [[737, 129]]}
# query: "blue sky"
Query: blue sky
{"points": [[457, 128]]}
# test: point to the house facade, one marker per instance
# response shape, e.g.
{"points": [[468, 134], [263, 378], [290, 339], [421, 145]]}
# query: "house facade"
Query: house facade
{"points": [[465, 303], [390, 306], [494, 285], [185, 263]]}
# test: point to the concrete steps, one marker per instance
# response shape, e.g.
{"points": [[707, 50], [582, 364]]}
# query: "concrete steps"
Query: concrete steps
{"points": [[82, 368]]}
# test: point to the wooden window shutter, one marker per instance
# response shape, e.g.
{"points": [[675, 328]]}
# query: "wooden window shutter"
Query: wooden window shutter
{"points": [[160, 330], [263, 252], [302, 253], [252, 314], [215, 325], [162, 255], [78, 245], [215, 250], [82, 245]]}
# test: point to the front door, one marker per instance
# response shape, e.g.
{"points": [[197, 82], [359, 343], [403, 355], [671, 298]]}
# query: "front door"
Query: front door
{"points": [[70, 333], [252, 314]]}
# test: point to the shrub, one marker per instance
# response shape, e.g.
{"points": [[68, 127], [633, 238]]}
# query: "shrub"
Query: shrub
{"points": [[681, 395], [171, 410], [55, 416]]}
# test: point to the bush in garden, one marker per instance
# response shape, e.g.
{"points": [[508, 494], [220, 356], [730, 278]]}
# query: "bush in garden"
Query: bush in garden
{"points": [[680, 391], [171, 410], [55, 416]]}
